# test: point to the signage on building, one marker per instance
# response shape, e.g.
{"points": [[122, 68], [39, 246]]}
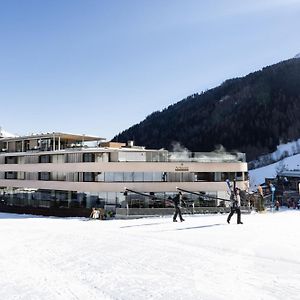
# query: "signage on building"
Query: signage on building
{"points": [[181, 169]]}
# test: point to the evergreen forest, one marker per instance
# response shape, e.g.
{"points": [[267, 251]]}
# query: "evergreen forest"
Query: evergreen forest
{"points": [[251, 114]]}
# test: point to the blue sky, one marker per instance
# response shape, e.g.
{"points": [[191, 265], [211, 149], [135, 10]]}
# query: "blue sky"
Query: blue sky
{"points": [[99, 67]]}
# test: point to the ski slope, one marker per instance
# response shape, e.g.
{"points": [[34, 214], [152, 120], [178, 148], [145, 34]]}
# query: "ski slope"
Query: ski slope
{"points": [[151, 258], [257, 176], [289, 161]]}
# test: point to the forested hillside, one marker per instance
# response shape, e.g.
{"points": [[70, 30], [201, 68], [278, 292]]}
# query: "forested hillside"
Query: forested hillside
{"points": [[252, 114]]}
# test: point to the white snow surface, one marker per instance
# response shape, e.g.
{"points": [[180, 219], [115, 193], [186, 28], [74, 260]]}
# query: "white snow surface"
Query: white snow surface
{"points": [[151, 258]]}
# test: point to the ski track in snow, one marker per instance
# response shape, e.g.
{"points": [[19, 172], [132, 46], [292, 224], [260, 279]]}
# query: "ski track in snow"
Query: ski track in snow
{"points": [[151, 258]]}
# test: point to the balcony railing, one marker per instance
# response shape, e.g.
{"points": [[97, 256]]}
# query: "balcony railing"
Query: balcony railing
{"points": [[207, 156]]}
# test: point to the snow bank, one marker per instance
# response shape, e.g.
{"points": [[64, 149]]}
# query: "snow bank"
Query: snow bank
{"points": [[201, 258]]}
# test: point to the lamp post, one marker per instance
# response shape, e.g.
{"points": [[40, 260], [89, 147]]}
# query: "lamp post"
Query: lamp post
{"points": [[272, 188]]}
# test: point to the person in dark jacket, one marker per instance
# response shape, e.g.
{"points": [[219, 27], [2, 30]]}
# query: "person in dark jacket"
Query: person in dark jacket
{"points": [[177, 204], [235, 206]]}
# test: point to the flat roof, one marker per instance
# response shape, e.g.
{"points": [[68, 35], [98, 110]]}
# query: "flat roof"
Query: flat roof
{"points": [[290, 173], [63, 136]]}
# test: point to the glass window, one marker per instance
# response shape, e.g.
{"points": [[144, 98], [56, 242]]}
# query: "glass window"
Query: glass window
{"points": [[44, 159], [148, 176], [204, 176], [11, 175], [174, 177], [138, 176], [98, 157], [128, 176], [228, 175], [187, 177], [45, 144], [111, 198], [11, 159], [88, 176], [218, 176], [18, 146], [157, 176], [44, 175], [26, 145], [88, 157], [239, 176], [100, 176], [109, 176], [118, 176]]}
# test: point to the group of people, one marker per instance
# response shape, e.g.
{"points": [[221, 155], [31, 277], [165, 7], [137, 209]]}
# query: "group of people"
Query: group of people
{"points": [[293, 203], [234, 208], [97, 213]]}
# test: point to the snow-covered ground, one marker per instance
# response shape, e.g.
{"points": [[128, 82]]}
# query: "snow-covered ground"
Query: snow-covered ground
{"points": [[153, 258]]}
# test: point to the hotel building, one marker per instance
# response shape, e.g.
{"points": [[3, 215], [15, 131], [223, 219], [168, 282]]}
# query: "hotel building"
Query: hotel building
{"points": [[59, 170]]}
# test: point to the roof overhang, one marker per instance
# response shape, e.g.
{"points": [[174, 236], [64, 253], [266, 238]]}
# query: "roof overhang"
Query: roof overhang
{"points": [[62, 136]]}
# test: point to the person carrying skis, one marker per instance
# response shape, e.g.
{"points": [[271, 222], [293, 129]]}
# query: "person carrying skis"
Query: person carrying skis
{"points": [[177, 204], [235, 206]]}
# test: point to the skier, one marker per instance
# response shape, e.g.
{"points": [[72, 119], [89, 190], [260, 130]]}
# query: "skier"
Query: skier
{"points": [[235, 206], [177, 203]]}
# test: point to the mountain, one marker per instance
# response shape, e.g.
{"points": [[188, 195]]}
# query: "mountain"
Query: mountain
{"points": [[5, 134], [252, 114]]}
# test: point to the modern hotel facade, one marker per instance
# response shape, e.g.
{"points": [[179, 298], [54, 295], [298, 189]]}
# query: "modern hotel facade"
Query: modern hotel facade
{"points": [[78, 171]]}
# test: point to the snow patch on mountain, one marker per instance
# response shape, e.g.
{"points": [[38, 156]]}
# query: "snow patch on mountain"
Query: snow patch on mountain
{"points": [[286, 157], [282, 151], [297, 55], [5, 134], [287, 149], [257, 176]]}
